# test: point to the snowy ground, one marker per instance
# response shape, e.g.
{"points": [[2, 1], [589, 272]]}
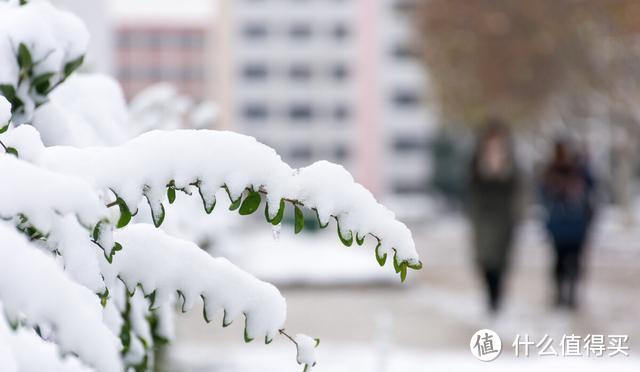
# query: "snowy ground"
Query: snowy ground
{"points": [[426, 324]]}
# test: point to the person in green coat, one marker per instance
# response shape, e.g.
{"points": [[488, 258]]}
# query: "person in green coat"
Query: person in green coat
{"points": [[493, 206]]}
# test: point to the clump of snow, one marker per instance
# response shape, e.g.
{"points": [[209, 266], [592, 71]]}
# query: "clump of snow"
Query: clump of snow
{"points": [[30, 353], [32, 284], [158, 262], [79, 254], [85, 110], [43, 196], [5, 112], [159, 106], [53, 39], [204, 115], [210, 159], [306, 350], [26, 140]]}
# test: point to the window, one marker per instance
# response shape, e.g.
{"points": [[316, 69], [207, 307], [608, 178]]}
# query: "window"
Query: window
{"points": [[255, 31], [300, 31], [340, 72], [301, 154], [255, 71], [341, 113], [409, 144], [340, 153], [301, 112], [406, 98], [300, 72], [403, 51], [340, 31], [191, 40], [410, 187], [255, 112]]}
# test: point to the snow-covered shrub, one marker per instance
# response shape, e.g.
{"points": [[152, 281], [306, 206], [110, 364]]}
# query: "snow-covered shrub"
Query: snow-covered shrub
{"points": [[80, 278]]}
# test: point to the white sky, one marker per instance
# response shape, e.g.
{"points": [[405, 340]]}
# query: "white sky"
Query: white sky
{"points": [[162, 10]]}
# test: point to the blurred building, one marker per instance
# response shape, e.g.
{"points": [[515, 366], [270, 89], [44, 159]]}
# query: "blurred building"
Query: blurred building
{"points": [[315, 79], [408, 120], [327, 79], [164, 41]]}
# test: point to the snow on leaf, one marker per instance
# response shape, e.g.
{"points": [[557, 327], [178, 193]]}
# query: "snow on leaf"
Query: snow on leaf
{"points": [[40, 47], [306, 353], [41, 196], [163, 264], [33, 284], [33, 354], [241, 165]]}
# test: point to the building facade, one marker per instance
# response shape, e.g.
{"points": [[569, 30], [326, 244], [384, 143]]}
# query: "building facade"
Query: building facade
{"points": [[164, 41], [327, 79]]}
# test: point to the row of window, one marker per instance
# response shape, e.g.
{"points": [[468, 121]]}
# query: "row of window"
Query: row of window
{"points": [[296, 112], [295, 31], [305, 154], [160, 40], [306, 112], [161, 73], [297, 72]]}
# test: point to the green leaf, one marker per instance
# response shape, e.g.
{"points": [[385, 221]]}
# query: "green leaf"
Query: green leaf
{"points": [[24, 57], [4, 129], [95, 234], [204, 310], [267, 340], [208, 204], [9, 92], [104, 296], [298, 219], [278, 217], [250, 203], [72, 66], [360, 239], [158, 219], [317, 341], [247, 339], [348, 241], [225, 323], [403, 271], [382, 259], [116, 247], [417, 266], [171, 194], [23, 2], [12, 151], [320, 222], [125, 213], [235, 204], [396, 264], [41, 83]]}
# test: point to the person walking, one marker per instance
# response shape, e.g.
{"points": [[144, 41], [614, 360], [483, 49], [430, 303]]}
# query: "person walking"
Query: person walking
{"points": [[568, 198], [493, 206]]}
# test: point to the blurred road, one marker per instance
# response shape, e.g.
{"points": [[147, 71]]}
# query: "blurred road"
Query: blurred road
{"points": [[439, 308]]}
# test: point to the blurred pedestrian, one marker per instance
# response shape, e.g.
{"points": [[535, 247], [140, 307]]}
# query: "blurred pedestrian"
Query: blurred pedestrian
{"points": [[568, 197], [493, 205]]}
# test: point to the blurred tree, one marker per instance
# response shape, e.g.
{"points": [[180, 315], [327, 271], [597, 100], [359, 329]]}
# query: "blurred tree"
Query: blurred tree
{"points": [[513, 58]]}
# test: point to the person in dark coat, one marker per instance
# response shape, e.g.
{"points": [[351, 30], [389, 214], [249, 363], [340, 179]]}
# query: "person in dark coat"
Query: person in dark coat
{"points": [[568, 198], [493, 206]]}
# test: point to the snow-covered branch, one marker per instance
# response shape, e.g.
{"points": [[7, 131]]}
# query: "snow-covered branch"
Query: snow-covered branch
{"points": [[156, 164], [33, 285], [219, 283]]}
